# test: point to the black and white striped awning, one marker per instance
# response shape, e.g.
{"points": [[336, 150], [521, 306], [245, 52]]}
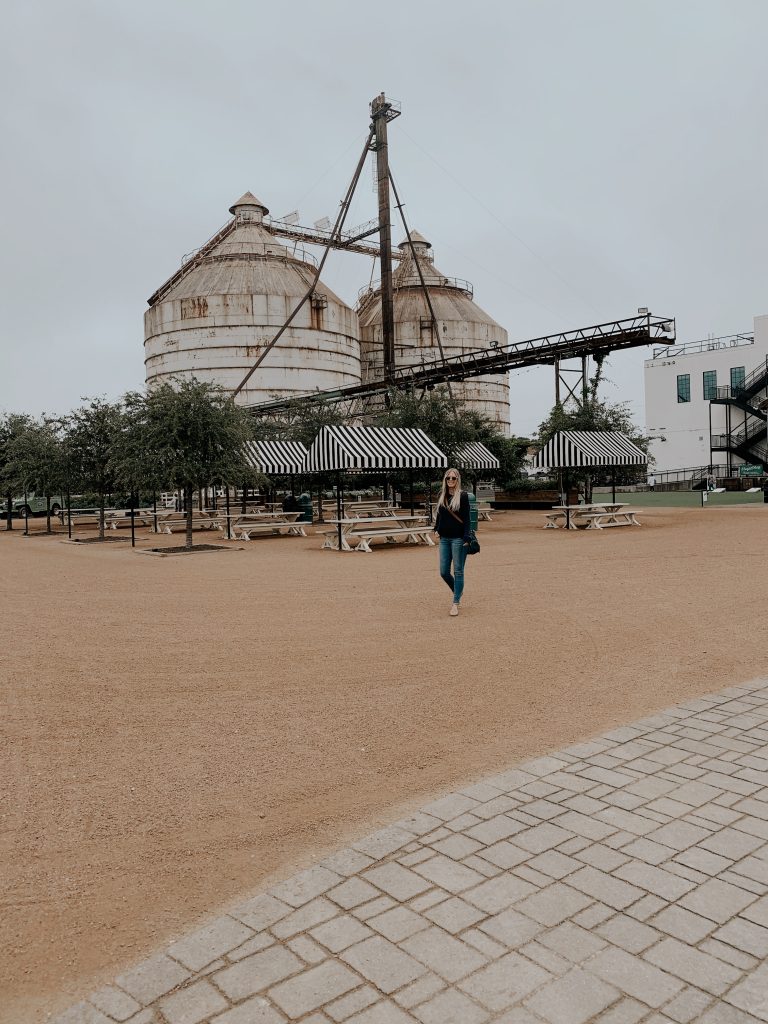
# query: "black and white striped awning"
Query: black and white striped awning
{"points": [[474, 455], [276, 458], [384, 448], [573, 448]]}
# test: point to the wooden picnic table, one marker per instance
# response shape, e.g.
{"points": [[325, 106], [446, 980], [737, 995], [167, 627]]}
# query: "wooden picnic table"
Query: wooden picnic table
{"points": [[596, 516], [273, 523], [413, 528]]}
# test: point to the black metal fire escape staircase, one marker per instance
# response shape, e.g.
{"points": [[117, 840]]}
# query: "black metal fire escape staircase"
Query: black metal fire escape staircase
{"points": [[748, 442]]}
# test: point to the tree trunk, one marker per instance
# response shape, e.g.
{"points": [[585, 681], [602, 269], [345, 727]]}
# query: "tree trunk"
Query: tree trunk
{"points": [[9, 511], [190, 510], [101, 517], [48, 513]]}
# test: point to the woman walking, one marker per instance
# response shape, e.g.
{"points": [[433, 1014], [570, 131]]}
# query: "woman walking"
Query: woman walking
{"points": [[452, 525]]}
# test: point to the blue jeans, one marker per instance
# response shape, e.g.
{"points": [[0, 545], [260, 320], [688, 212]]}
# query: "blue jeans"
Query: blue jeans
{"points": [[452, 549]]}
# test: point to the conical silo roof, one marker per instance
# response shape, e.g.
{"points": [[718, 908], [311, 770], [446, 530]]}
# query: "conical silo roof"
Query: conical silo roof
{"points": [[244, 258], [451, 298]]}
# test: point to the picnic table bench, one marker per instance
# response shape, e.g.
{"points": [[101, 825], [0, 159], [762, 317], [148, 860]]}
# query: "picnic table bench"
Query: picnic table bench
{"points": [[413, 528], [593, 517]]}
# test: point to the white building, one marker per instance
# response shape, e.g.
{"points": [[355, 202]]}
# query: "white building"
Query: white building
{"points": [[702, 402]]}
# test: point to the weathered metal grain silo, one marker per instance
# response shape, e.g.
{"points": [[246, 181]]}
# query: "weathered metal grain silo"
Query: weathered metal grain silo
{"points": [[215, 315], [461, 325]]}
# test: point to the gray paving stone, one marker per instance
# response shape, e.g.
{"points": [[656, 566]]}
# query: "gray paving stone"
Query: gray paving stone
{"points": [[494, 829], [383, 842], [254, 945], [679, 835], [192, 1004], [454, 915], [209, 943], [302, 888], [758, 912], [419, 991], [573, 999], [152, 978], [451, 1007], [448, 874], [717, 900], [341, 932], [457, 846], [634, 977], [498, 894], [628, 934], [542, 837], [356, 1001], [606, 888], [305, 917], [688, 1006], [260, 912], [256, 973], [511, 928], [645, 850], [729, 955], [751, 995], [347, 862], [556, 865], [627, 1011], [745, 936], [546, 958], [114, 1003], [444, 955], [504, 982], [731, 843], [306, 948], [683, 924], [484, 943], [313, 988], [654, 880], [381, 1013], [721, 1013], [399, 923], [377, 906], [572, 942], [384, 964], [451, 806], [352, 893], [398, 882], [254, 1011], [551, 906], [504, 855], [693, 966]]}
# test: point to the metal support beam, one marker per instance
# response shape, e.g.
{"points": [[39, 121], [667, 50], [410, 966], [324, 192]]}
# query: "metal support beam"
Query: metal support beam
{"points": [[547, 350], [381, 114]]}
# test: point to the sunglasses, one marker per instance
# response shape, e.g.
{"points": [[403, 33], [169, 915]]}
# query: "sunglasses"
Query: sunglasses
{"points": [[451, 478]]}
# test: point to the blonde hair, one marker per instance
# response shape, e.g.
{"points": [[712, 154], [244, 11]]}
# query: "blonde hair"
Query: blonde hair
{"points": [[455, 501]]}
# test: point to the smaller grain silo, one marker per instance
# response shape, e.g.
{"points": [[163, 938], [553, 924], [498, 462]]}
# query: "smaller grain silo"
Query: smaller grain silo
{"points": [[215, 315], [462, 326]]}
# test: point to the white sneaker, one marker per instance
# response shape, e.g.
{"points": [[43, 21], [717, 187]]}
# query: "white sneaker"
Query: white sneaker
{"points": [[454, 609]]}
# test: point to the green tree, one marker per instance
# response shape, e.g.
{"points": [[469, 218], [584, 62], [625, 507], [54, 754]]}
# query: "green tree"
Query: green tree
{"points": [[12, 426], [451, 423], [189, 435], [92, 434], [38, 453]]}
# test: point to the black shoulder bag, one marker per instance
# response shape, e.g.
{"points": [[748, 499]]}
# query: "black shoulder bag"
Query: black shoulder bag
{"points": [[474, 544]]}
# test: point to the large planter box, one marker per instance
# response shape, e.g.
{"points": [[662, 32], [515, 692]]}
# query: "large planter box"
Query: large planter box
{"points": [[542, 500]]}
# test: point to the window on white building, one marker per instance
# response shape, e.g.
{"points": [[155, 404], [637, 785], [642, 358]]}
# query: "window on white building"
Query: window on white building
{"points": [[710, 384], [684, 387], [737, 377]]}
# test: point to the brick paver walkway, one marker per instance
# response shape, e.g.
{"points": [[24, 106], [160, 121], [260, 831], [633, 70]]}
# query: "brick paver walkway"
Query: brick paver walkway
{"points": [[619, 881]]}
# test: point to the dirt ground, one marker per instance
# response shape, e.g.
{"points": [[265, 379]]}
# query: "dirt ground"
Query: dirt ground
{"points": [[177, 732]]}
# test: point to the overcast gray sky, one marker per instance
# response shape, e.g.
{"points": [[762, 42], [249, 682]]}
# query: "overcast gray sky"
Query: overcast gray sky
{"points": [[574, 159]]}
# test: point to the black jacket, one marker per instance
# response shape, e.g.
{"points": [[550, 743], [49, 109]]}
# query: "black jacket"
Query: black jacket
{"points": [[447, 526]]}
